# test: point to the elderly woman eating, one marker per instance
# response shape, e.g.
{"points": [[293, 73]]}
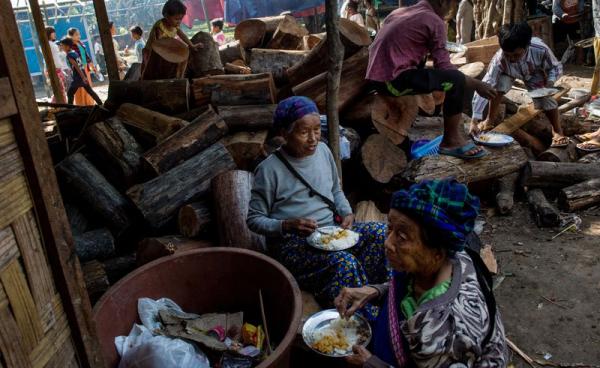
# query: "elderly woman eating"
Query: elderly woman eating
{"points": [[297, 190], [438, 310]]}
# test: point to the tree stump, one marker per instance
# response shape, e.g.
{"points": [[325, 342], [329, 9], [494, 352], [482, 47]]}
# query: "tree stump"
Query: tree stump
{"points": [[275, 62], [231, 52], [506, 194], [160, 198], [100, 198], [565, 154], [206, 130], [544, 214], [95, 244], [158, 125], [246, 148], [231, 198], [382, 159], [194, 219], [256, 31], [204, 61], [580, 196]]}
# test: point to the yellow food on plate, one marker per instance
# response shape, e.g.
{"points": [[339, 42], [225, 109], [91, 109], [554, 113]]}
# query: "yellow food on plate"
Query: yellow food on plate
{"points": [[329, 342], [339, 234]]}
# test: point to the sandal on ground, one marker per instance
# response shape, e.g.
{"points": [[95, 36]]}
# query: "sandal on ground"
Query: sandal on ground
{"points": [[461, 152], [559, 142], [591, 146], [584, 137]]}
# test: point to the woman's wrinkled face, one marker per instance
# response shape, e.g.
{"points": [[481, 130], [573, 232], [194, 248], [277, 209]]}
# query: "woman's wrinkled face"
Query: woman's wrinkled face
{"points": [[175, 20], [405, 248], [302, 141]]}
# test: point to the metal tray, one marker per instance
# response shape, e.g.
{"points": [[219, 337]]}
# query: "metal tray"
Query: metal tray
{"points": [[322, 320]]}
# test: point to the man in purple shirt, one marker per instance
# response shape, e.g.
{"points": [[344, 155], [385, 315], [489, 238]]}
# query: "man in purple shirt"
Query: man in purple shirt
{"points": [[396, 67]]}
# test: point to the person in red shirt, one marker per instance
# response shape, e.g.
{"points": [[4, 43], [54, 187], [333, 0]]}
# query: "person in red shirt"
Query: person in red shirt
{"points": [[396, 67]]}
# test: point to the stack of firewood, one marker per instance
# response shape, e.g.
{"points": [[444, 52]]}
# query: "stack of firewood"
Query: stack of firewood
{"points": [[166, 165]]}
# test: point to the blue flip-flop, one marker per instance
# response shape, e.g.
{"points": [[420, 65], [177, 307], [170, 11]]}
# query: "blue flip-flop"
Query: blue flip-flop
{"points": [[461, 152]]}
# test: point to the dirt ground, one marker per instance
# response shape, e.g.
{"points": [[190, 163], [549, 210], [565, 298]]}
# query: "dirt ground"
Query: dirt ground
{"points": [[549, 294]]}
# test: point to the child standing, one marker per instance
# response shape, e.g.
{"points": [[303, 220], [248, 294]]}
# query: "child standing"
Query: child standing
{"points": [[464, 22], [138, 46], [166, 30], [529, 59], [79, 78], [217, 32]]}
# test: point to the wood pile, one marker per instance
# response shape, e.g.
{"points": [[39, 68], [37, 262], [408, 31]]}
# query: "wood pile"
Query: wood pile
{"points": [[166, 167]]}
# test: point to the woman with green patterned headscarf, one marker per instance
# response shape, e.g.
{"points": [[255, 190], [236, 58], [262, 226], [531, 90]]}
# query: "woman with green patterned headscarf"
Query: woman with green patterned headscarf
{"points": [[438, 310]]}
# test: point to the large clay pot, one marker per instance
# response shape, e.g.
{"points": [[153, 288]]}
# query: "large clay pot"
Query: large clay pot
{"points": [[205, 281]]}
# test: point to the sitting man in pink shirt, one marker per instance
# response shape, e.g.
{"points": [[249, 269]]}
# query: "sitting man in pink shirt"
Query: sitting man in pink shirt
{"points": [[396, 68]]}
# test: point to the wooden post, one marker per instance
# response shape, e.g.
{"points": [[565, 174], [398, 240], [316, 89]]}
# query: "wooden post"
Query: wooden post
{"points": [[106, 38], [206, 18], [36, 12], [336, 57]]}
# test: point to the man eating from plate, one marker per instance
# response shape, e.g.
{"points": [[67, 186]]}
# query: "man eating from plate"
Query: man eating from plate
{"points": [[296, 191], [529, 59]]}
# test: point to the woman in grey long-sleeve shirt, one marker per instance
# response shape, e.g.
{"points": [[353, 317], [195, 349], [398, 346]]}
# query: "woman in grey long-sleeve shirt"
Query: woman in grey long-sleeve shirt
{"points": [[285, 210]]}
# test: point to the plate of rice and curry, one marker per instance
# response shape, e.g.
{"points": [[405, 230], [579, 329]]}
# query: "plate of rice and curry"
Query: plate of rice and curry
{"points": [[333, 238], [328, 334]]}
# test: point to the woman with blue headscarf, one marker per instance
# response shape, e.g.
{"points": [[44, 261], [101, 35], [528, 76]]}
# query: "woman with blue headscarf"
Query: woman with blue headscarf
{"points": [[287, 210], [438, 310]]}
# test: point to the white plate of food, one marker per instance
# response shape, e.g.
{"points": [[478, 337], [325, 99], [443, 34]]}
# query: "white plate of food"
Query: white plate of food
{"points": [[542, 92], [492, 139], [456, 48], [328, 334], [333, 238]]}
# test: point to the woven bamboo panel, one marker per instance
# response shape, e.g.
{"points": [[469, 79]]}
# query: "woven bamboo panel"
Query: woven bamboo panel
{"points": [[34, 330]]}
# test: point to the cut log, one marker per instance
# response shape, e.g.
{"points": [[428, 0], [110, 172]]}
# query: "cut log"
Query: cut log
{"points": [[382, 159], [256, 31], [352, 82], [231, 198], [246, 148], [580, 196], [498, 163], [544, 214], [193, 113], [77, 219], [160, 198], [426, 128], [288, 35], [248, 118], [393, 116], [275, 61], [577, 102], [150, 249], [540, 128], [573, 124], [169, 96], [310, 41], [482, 50], [473, 70], [206, 60], [253, 89], [359, 113], [95, 244], [524, 115], [119, 267], [540, 174], [194, 219], [367, 211], [158, 125], [529, 141], [232, 51], [237, 69], [118, 150], [505, 199], [95, 193], [354, 38], [96, 281], [590, 158], [71, 121], [565, 154], [200, 134]]}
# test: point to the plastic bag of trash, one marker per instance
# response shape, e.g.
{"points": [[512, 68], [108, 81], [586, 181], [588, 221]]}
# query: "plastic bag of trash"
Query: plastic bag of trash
{"points": [[141, 349], [148, 310]]}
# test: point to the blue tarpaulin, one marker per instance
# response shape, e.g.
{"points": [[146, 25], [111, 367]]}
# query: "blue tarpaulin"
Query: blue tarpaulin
{"points": [[238, 10]]}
